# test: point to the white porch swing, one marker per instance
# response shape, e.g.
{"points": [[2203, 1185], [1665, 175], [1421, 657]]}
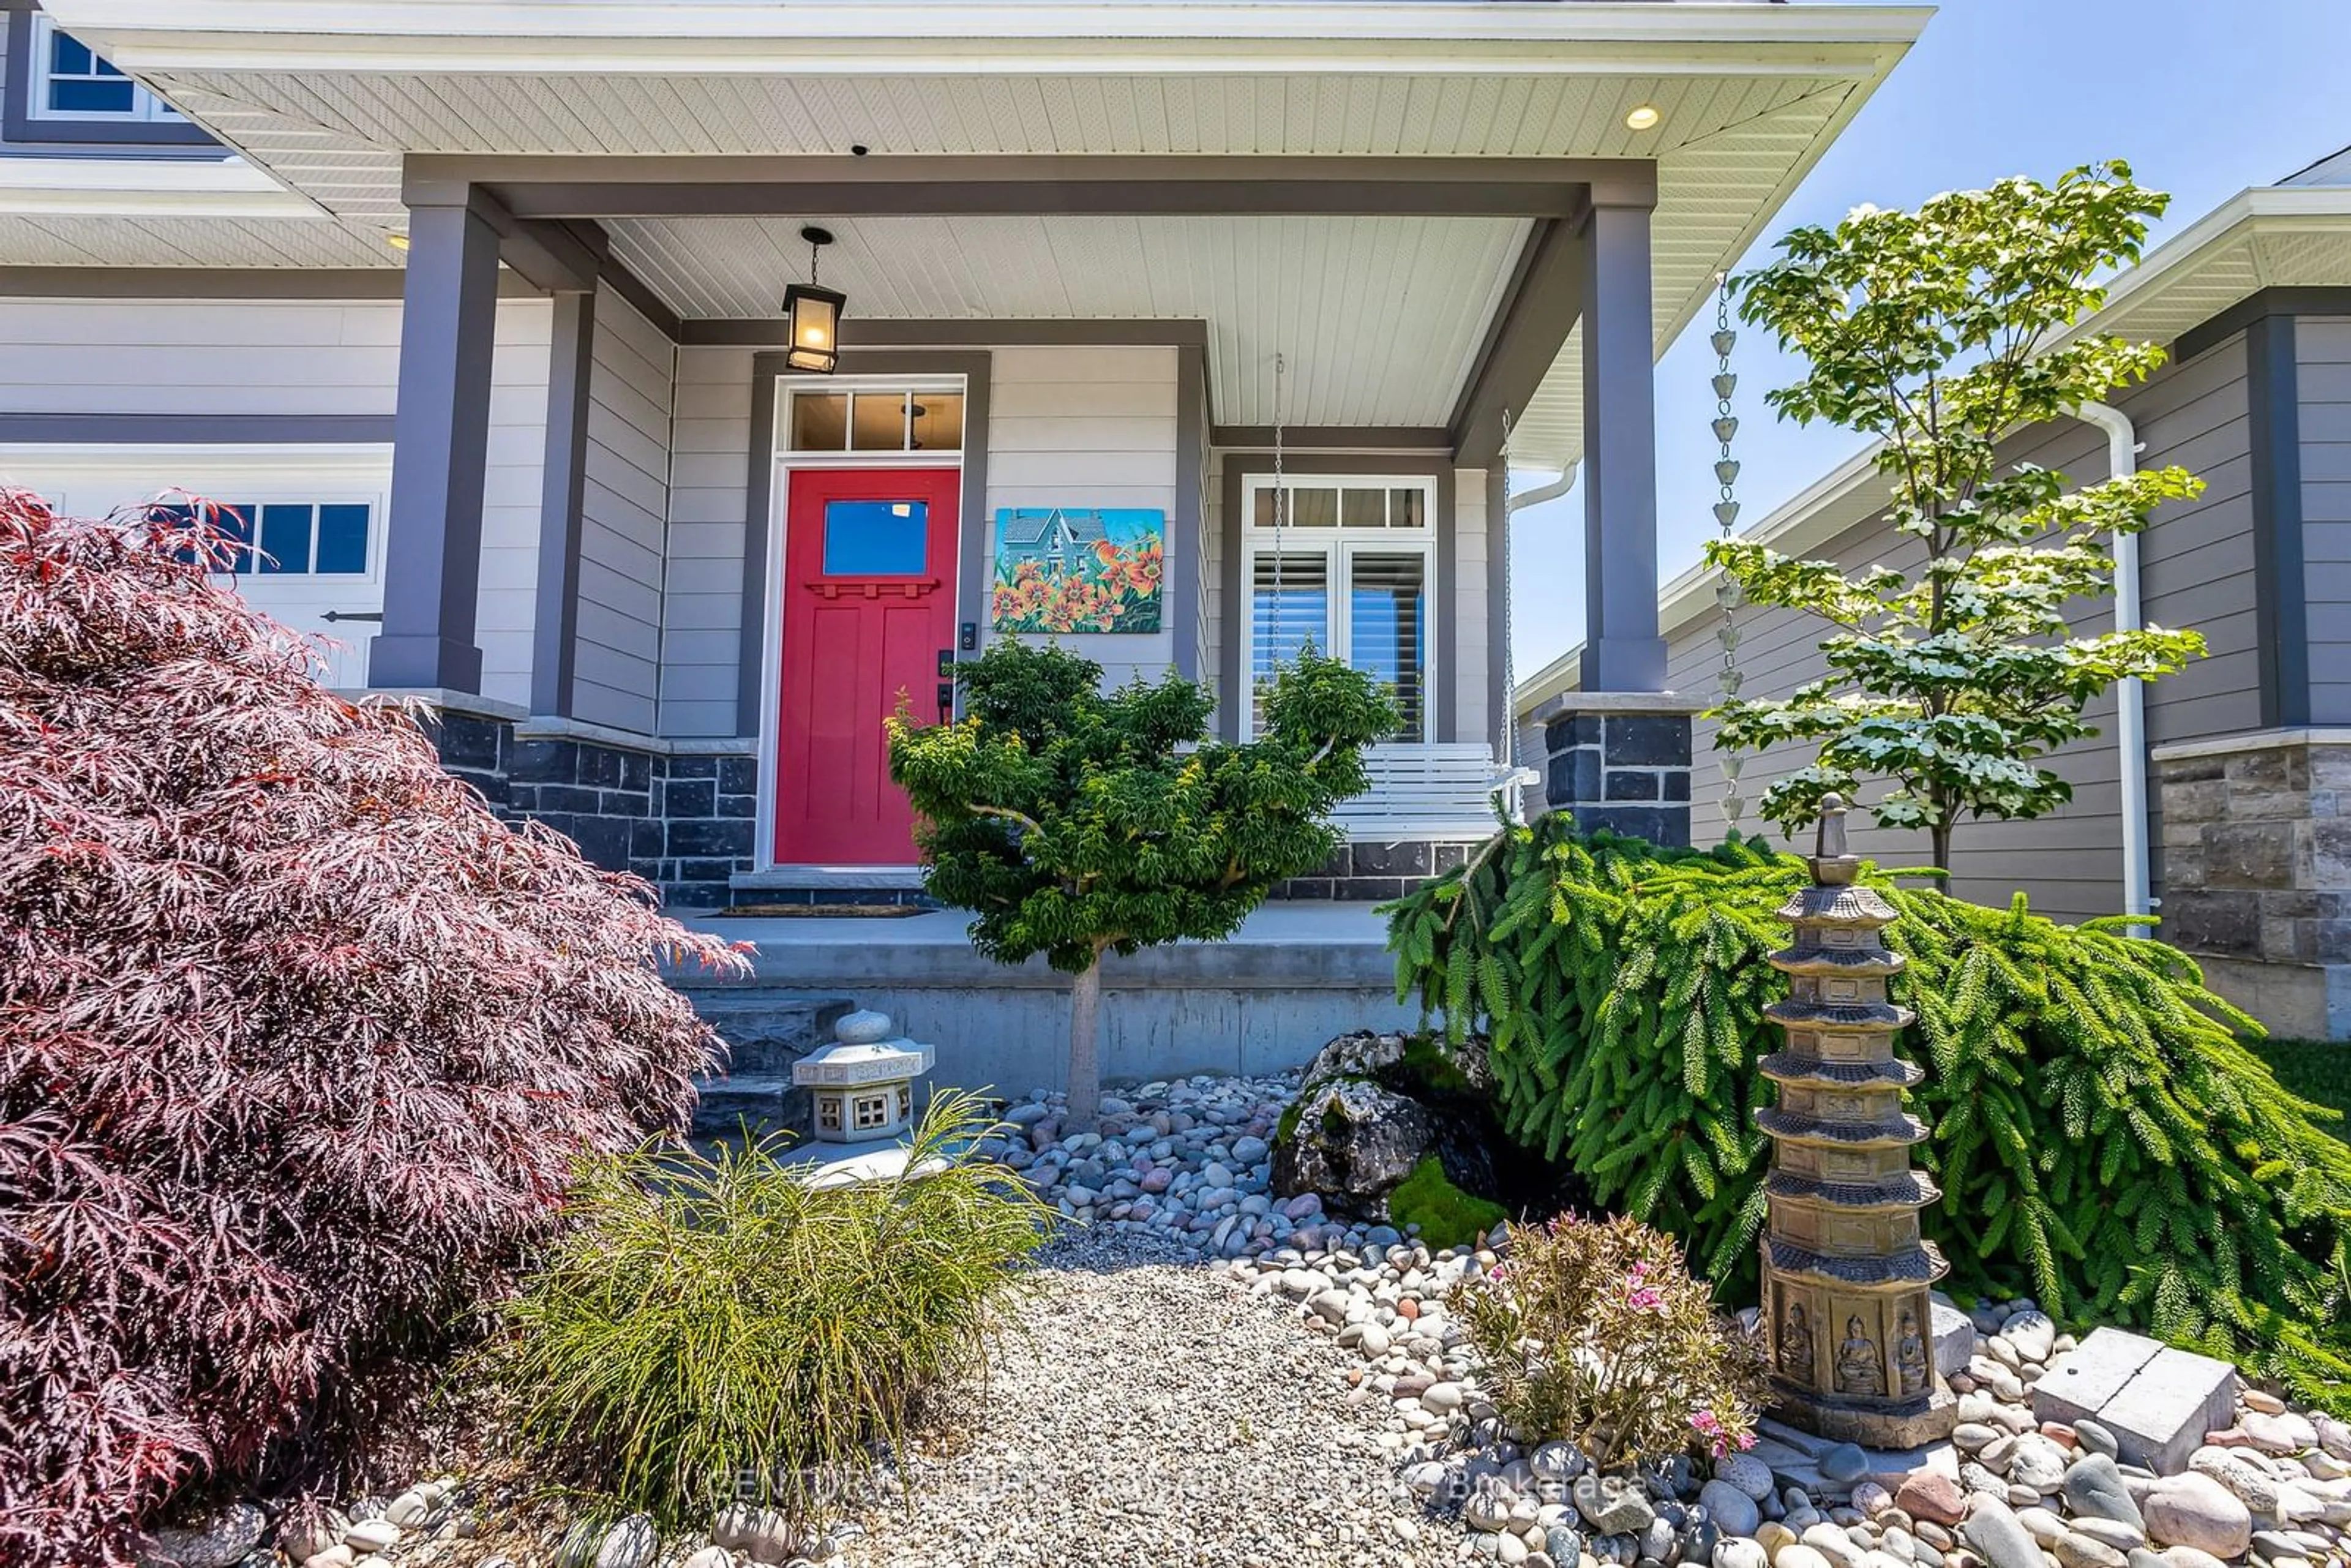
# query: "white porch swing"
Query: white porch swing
{"points": [[1438, 792]]}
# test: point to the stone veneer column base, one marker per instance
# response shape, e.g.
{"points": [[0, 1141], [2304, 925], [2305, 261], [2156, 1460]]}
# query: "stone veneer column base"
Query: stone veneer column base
{"points": [[2257, 873], [1377, 873], [678, 813], [1621, 760]]}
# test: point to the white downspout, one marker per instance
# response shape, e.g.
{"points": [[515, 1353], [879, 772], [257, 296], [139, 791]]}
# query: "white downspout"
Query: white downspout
{"points": [[2130, 699], [1550, 492]]}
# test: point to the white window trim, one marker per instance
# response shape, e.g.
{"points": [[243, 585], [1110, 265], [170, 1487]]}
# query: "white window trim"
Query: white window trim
{"points": [[1340, 546], [145, 107], [798, 386]]}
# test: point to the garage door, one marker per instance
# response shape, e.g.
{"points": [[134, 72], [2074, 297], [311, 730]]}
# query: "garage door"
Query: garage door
{"points": [[309, 524]]}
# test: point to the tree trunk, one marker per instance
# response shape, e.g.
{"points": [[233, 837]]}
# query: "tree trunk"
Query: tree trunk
{"points": [[1086, 1050], [1941, 832]]}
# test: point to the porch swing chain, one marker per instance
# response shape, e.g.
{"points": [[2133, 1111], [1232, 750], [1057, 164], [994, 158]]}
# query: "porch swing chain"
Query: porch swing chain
{"points": [[1506, 745], [1280, 510], [1727, 593]]}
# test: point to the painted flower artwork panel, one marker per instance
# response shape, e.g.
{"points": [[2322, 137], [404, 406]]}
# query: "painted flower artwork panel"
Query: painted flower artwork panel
{"points": [[1073, 568]]}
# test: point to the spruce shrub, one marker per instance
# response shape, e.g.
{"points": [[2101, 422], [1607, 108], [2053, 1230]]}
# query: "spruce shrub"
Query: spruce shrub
{"points": [[2101, 1137], [716, 1331], [298, 1041]]}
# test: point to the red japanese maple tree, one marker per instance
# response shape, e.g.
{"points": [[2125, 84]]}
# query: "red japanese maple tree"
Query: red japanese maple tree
{"points": [[299, 1042]]}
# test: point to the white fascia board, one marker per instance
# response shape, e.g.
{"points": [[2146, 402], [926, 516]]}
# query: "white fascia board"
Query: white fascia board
{"points": [[2263, 210], [626, 36], [144, 187]]}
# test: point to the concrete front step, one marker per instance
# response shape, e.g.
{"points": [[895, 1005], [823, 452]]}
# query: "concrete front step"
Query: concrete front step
{"points": [[765, 1030], [760, 1102]]}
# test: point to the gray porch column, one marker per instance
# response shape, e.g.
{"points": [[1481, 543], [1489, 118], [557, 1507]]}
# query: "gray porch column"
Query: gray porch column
{"points": [[566, 470], [432, 556], [1622, 649]]}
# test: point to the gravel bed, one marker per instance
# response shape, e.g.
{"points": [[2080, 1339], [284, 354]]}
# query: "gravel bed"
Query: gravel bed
{"points": [[1147, 1412]]}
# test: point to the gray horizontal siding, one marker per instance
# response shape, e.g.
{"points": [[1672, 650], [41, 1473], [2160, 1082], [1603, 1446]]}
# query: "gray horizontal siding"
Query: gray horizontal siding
{"points": [[2322, 353], [623, 511], [2196, 572]]}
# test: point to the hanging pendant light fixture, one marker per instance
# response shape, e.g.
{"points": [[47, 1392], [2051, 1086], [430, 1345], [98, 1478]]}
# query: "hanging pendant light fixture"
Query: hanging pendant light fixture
{"points": [[813, 315]]}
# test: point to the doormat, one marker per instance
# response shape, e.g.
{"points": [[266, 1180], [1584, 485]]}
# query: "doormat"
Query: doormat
{"points": [[822, 910]]}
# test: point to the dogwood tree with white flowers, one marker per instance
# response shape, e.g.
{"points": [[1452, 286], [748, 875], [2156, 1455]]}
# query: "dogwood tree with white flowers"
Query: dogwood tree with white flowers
{"points": [[1943, 332]]}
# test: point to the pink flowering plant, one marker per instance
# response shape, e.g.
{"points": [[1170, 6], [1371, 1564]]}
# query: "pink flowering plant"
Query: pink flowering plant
{"points": [[1594, 1331]]}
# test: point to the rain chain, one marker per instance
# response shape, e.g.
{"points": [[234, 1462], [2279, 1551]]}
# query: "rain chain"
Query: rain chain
{"points": [[1727, 593]]}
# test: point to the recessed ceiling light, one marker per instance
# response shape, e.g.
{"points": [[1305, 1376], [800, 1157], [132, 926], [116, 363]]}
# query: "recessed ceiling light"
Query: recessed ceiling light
{"points": [[398, 240], [1644, 117]]}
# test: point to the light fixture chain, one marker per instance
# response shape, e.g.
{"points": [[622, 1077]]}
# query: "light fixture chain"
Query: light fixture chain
{"points": [[1727, 593]]}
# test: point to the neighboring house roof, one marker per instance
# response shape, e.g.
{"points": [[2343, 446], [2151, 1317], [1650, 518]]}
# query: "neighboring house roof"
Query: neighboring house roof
{"points": [[1026, 529], [1383, 320], [2295, 235]]}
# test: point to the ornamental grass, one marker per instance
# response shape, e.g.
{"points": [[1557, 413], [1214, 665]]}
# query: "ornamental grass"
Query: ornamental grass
{"points": [[716, 1329]]}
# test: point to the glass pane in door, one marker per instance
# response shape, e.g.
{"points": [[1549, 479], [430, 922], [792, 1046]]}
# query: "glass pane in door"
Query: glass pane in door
{"points": [[1290, 609], [1387, 629]]}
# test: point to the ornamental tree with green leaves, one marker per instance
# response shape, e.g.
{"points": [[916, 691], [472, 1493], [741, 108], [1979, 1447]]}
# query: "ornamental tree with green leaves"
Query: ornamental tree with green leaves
{"points": [[1075, 823], [1943, 332]]}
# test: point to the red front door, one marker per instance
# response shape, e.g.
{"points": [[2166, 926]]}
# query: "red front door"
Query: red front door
{"points": [[868, 608]]}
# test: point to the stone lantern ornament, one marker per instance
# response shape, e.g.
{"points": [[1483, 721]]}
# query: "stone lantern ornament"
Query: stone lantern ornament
{"points": [[863, 1083], [1846, 1272]]}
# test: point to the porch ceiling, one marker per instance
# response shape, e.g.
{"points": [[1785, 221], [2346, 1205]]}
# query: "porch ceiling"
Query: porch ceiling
{"points": [[330, 98], [1379, 319]]}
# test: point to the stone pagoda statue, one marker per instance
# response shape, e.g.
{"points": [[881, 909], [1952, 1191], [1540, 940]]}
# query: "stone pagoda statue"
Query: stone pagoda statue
{"points": [[1846, 1272]]}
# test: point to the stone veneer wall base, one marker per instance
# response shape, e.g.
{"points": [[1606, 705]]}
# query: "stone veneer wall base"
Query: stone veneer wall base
{"points": [[2257, 873], [678, 813]]}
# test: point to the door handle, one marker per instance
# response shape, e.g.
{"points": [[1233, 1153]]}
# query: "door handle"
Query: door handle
{"points": [[947, 701]]}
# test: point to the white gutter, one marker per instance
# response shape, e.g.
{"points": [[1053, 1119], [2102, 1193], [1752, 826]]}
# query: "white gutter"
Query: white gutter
{"points": [[2130, 698]]}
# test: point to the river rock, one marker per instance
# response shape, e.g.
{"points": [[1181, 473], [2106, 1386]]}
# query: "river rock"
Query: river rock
{"points": [[2037, 1463], [1748, 1473], [2032, 1334], [631, 1544], [1734, 1552], [371, 1535], [1612, 1506], [2075, 1550], [1731, 1508], [213, 1543], [2096, 1439], [2194, 1509], [1992, 1528], [1843, 1463], [2122, 1537], [2093, 1486], [1931, 1494], [2189, 1557]]}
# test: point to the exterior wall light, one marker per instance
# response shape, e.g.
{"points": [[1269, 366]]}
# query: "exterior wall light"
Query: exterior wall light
{"points": [[813, 314], [1644, 117]]}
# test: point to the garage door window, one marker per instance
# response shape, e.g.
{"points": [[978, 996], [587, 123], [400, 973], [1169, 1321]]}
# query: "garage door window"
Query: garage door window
{"points": [[293, 538]]}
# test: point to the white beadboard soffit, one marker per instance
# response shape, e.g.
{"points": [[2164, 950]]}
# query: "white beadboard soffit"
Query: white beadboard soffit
{"points": [[1379, 319]]}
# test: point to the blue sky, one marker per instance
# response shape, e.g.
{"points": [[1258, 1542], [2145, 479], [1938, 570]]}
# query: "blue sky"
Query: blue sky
{"points": [[2202, 97]]}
